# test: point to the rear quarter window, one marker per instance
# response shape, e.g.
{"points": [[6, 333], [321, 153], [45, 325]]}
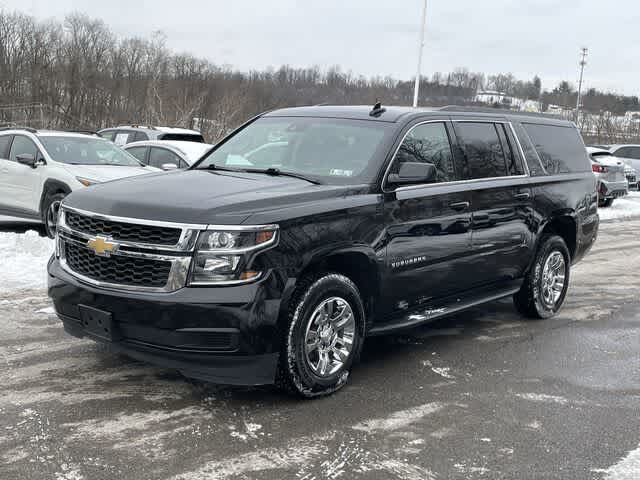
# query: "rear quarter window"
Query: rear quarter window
{"points": [[5, 142], [560, 149]]}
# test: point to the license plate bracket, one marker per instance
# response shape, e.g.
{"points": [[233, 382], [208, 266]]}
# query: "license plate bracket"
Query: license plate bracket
{"points": [[98, 324]]}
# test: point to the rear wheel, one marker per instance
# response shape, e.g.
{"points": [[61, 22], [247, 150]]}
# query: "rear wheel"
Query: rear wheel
{"points": [[323, 336], [50, 213], [545, 286]]}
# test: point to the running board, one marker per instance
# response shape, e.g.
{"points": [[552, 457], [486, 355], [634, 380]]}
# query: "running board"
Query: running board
{"points": [[443, 308]]}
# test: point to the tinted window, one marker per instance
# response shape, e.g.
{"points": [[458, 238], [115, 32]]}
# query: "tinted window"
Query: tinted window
{"points": [[22, 145], [428, 143], [186, 137], [138, 137], [161, 156], [514, 166], [561, 149], [109, 134], [530, 154], [139, 152], [5, 141], [482, 148], [628, 152]]}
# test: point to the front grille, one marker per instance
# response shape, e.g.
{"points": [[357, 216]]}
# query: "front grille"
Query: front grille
{"points": [[121, 270], [126, 232]]}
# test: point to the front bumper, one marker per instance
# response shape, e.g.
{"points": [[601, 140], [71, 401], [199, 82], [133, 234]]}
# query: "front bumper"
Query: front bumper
{"points": [[221, 334], [612, 189]]}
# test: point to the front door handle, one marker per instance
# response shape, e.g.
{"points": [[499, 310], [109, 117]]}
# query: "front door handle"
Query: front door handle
{"points": [[459, 205], [522, 196]]}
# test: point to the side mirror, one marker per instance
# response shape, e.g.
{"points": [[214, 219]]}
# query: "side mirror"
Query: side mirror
{"points": [[169, 166], [27, 159], [412, 173]]}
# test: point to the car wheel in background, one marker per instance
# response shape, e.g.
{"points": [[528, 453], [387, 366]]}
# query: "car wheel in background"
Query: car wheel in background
{"points": [[50, 213], [545, 285], [323, 336], [605, 203]]}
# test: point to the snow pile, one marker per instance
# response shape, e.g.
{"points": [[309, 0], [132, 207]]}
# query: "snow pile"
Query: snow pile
{"points": [[622, 208], [24, 260]]}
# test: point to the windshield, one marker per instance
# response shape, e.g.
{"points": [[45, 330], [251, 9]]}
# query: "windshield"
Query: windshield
{"points": [[330, 150], [87, 151]]}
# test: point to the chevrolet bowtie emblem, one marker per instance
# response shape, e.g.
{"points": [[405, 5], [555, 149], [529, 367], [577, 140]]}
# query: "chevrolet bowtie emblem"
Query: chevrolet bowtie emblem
{"points": [[102, 246]]}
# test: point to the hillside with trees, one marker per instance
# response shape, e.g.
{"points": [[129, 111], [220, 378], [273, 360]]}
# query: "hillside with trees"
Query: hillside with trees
{"points": [[79, 74]]}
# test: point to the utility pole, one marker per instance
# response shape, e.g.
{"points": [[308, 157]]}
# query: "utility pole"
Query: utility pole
{"points": [[583, 62], [423, 26]]}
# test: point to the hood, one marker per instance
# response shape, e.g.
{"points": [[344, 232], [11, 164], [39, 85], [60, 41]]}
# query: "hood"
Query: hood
{"points": [[206, 197], [104, 173]]}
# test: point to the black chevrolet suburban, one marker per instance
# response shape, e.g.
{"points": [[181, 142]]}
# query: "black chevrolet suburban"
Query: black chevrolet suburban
{"points": [[308, 229]]}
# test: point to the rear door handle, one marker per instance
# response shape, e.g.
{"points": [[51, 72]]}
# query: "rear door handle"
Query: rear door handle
{"points": [[522, 196], [459, 205]]}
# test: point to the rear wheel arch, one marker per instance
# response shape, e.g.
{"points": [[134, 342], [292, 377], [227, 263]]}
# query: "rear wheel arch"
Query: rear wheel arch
{"points": [[564, 226]]}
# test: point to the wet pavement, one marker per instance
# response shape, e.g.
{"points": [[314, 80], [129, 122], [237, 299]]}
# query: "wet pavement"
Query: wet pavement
{"points": [[484, 394]]}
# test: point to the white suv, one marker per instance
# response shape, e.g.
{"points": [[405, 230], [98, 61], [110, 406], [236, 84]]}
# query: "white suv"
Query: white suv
{"points": [[39, 168]]}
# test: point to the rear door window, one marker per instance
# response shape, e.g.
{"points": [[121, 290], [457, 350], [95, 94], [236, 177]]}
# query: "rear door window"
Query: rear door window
{"points": [[138, 137], [482, 148], [561, 149]]}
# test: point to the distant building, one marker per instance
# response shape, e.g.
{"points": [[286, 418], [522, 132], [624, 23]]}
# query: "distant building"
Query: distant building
{"points": [[492, 97]]}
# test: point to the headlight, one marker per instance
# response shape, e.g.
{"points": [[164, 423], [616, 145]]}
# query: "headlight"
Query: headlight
{"points": [[224, 256], [87, 182]]}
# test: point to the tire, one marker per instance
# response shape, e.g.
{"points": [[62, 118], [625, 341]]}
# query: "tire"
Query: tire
{"points": [[50, 213], [540, 296], [301, 373], [605, 203]]}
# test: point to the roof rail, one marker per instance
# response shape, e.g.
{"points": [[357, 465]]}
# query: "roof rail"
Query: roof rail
{"points": [[135, 125], [497, 111], [81, 130], [28, 129]]}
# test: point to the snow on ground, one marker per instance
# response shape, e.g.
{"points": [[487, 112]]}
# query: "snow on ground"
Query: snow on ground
{"points": [[622, 208], [24, 260]]}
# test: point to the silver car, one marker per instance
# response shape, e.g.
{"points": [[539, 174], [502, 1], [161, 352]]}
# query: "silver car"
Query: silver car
{"points": [[168, 154], [610, 172]]}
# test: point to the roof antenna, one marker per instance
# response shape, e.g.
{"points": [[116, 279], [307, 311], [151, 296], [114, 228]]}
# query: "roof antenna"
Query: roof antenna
{"points": [[377, 109]]}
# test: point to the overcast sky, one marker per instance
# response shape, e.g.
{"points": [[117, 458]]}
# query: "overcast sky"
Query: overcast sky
{"points": [[380, 37]]}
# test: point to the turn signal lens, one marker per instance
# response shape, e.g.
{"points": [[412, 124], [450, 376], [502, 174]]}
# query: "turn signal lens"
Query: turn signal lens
{"points": [[249, 275], [264, 236]]}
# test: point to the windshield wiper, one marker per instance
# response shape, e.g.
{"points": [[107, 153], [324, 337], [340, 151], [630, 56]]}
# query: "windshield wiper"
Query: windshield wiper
{"points": [[276, 172], [213, 166]]}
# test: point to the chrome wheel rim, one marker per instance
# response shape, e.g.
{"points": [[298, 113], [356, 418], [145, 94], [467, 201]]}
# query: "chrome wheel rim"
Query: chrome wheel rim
{"points": [[553, 278], [328, 340], [52, 216]]}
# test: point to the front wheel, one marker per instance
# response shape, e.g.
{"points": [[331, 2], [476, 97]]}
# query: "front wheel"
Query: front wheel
{"points": [[545, 286], [323, 337], [50, 211]]}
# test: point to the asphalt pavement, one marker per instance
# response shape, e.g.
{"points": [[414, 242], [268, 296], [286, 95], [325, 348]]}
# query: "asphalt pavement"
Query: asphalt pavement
{"points": [[484, 394]]}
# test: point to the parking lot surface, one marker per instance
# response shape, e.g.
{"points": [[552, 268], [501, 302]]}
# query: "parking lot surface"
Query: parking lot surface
{"points": [[484, 394]]}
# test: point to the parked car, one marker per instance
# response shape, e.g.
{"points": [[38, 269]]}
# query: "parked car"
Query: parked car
{"points": [[137, 133], [368, 221], [611, 175], [630, 153], [168, 154], [38, 168]]}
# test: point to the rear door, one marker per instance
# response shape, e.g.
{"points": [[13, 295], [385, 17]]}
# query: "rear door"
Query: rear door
{"points": [[6, 186], [501, 201], [427, 225]]}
